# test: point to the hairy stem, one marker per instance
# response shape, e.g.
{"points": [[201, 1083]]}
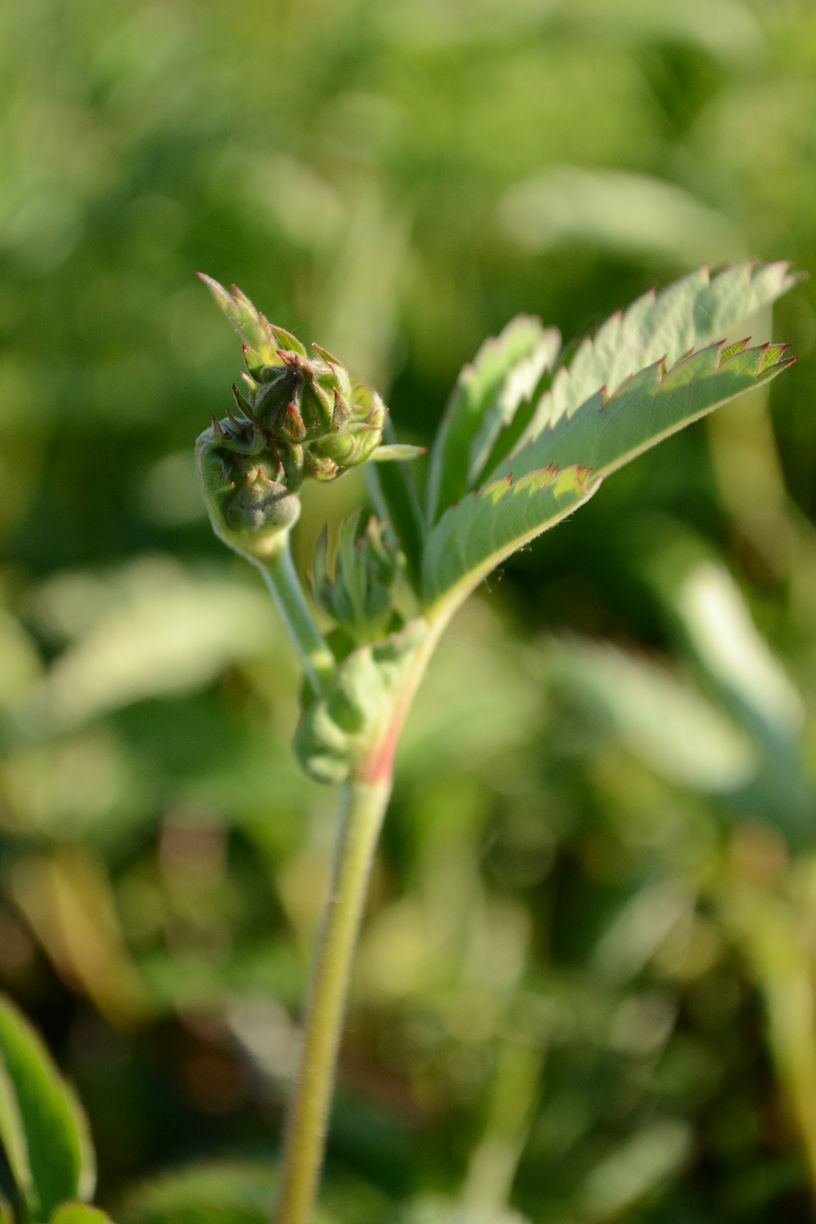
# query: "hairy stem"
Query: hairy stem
{"points": [[364, 805], [281, 578]]}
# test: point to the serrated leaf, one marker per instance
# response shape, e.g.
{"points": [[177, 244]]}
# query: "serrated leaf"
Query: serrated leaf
{"points": [[79, 1213], [473, 537], [610, 429], [41, 1127], [565, 463], [687, 315], [344, 722], [488, 392]]}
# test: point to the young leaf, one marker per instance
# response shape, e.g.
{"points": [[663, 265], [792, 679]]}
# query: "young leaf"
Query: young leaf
{"points": [[41, 1127], [393, 492], [687, 315], [565, 463], [488, 392]]}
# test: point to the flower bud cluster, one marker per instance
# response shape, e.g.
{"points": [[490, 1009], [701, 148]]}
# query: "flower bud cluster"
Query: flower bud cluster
{"points": [[296, 416]]}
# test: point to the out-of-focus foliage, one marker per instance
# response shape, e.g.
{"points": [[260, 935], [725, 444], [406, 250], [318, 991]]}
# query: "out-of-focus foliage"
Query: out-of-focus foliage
{"points": [[586, 985]]}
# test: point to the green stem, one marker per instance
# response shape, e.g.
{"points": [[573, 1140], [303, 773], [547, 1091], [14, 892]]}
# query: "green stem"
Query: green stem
{"points": [[365, 798], [281, 578], [364, 806]]}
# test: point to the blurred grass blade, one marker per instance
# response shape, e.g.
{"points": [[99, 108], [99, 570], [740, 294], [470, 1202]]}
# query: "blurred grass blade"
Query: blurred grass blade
{"points": [[487, 394], [215, 1193], [635, 1169], [41, 1126], [433, 1210], [563, 466], [615, 210], [668, 724], [79, 1213]]}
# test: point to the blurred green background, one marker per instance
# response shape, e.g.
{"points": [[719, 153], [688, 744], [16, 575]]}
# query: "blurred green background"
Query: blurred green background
{"points": [[586, 990]]}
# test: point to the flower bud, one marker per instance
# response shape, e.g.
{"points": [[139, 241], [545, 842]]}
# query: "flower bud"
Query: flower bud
{"points": [[251, 508], [352, 583]]}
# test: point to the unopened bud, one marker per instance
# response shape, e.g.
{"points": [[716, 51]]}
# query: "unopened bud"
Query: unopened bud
{"points": [[251, 508], [352, 583], [308, 413]]}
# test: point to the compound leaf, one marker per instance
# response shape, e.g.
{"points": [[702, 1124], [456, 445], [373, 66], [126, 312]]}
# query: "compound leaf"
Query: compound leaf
{"points": [[561, 467], [687, 315], [487, 395]]}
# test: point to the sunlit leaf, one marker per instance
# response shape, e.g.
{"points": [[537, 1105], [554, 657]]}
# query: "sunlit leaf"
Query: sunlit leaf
{"points": [[489, 391], [564, 464], [691, 313]]}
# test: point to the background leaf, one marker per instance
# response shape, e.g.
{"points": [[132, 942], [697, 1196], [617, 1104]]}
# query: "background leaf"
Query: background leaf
{"points": [[238, 1192], [79, 1213], [41, 1126]]}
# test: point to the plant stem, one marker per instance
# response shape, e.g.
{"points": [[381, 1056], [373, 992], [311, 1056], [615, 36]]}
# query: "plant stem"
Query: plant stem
{"points": [[365, 798], [281, 578], [364, 805]]}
